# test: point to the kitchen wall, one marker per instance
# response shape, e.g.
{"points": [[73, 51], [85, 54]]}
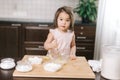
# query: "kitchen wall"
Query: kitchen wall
{"points": [[35, 10]]}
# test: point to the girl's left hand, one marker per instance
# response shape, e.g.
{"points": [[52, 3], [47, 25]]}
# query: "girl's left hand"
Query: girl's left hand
{"points": [[72, 57]]}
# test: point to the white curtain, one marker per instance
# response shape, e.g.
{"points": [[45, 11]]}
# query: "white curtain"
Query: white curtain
{"points": [[108, 25]]}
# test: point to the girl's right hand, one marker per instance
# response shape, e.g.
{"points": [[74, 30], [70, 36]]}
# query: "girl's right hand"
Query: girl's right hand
{"points": [[54, 44]]}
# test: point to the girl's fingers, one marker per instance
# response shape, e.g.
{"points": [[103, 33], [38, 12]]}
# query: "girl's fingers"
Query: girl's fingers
{"points": [[72, 57]]}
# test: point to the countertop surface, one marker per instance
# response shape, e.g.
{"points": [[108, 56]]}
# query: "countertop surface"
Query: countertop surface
{"points": [[35, 20], [12, 19], [78, 68]]}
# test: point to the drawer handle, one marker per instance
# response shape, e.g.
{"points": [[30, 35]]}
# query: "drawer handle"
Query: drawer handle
{"points": [[83, 48], [40, 47], [81, 27], [81, 33], [32, 48], [15, 24], [43, 25], [81, 37]]}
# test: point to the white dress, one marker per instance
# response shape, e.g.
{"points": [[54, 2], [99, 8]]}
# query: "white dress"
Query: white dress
{"points": [[63, 39]]}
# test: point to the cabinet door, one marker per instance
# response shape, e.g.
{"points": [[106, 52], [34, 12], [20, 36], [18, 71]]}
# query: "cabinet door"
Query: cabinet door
{"points": [[85, 38], [34, 39], [9, 41], [36, 33], [84, 32]]}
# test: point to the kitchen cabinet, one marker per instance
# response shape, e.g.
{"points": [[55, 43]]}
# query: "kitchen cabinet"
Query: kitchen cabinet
{"points": [[20, 38], [34, 38], [85, 39], [35, 35], [10, 42]]}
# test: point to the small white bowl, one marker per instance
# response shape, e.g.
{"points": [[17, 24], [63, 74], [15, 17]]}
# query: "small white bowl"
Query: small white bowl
{"points": [[52, 67], [23, 66], [7, 60], [35, 60], [7, 63]]}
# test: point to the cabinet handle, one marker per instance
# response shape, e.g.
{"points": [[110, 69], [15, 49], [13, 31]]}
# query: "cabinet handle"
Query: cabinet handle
{"points": [[81, 37], [15, 24], [34, 48], [81, 33], [81, 27], [45, 25], [40, 47], [83, 48]]}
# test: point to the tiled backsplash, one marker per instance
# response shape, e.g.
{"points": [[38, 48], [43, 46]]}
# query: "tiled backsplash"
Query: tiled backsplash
{"points": [[33, 9]]}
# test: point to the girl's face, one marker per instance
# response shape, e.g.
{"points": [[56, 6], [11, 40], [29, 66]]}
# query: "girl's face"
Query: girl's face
{"points": [[63, 21]]}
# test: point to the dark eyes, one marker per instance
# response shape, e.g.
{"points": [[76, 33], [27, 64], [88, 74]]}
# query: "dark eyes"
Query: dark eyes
{"points": [[66, 20], [61, 19]]}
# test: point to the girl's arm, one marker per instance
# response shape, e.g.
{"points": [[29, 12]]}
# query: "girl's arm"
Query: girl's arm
{"points": [[73, 49], [49, 43]]}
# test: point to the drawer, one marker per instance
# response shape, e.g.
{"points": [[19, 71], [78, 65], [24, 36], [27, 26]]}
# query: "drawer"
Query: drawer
{"points": [[36, 33], [85, 28], [85, 34], [35, 51], [85, 46], [33, 44], [87, 53], [85, 41], [85, 31], [85, 38], [34, 48]]}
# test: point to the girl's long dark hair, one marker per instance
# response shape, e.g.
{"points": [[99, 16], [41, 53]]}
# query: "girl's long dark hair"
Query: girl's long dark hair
{"points": [[69, 12]]}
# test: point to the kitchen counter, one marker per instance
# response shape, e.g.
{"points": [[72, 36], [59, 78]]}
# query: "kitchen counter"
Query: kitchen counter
{"points": [[11, 19], [35, 20]]}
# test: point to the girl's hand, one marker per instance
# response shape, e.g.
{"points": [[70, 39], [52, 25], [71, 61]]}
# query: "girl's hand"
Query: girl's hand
{"points": [[54, 44], [72, 57]]}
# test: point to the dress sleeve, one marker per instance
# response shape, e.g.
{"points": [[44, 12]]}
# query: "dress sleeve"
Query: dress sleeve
{"points": [[73, 33], [52, 31]]}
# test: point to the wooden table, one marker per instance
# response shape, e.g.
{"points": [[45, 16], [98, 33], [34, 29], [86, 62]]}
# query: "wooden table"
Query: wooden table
{"points": [[8, 75], [77, 69]]}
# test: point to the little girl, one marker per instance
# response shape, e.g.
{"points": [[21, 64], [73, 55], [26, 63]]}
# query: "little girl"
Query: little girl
{"points": [[62, 37]]}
